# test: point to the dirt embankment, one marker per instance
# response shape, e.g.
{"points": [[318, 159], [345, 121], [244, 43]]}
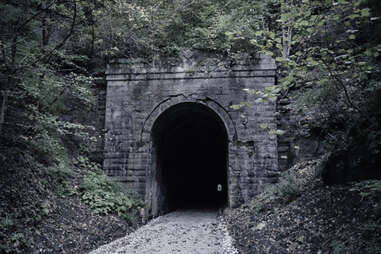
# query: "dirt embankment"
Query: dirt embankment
{"points": [[302, 215], [72, 227], [37, 219]]}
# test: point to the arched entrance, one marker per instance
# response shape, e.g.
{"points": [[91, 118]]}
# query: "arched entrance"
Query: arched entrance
{"points": [[189, 159]]}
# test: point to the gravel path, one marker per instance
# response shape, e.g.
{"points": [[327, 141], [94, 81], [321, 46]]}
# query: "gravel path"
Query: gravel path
{"points": [[187, 232]]}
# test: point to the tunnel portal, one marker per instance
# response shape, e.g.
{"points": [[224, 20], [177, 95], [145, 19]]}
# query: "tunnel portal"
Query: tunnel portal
{"points": [[172, 133], [190, 158]]}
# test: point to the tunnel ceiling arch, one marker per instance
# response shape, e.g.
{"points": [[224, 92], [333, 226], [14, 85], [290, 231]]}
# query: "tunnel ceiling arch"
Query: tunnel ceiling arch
{"points": [[138, 93], [167, 103], [182, 114]]}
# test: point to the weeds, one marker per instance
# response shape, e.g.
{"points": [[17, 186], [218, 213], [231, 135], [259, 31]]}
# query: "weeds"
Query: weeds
{"points": [[105, 196]]}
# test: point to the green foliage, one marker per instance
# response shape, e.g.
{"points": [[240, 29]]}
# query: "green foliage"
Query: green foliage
{"points": [[40, 80], [323, 48], [367, 239], [290, 186], [367, 188], [105, 196], [328, 55], [149, 28], [365, 242], [47, 65], [17, 242], [85, 163], [27, 191]]}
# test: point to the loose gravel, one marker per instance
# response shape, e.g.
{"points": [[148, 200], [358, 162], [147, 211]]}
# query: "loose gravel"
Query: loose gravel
{"points": [[186, 232]]}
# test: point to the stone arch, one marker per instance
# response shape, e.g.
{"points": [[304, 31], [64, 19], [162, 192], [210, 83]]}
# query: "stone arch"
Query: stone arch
{"points": [[145, 134], [163, 191]]}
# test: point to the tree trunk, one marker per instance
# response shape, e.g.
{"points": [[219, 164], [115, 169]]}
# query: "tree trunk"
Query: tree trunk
{"points": [[4, 105]]}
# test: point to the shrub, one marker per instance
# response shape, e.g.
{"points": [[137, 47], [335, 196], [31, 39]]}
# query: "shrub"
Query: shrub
{"points": [[291, 185], [105, 196]]}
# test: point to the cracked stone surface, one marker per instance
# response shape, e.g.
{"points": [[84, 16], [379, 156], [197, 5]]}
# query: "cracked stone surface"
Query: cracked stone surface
{"points": [[187, 232]]}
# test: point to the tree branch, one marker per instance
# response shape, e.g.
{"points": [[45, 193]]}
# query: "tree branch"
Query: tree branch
{"points": [[344, 88], [60, 45], [34, 16]]}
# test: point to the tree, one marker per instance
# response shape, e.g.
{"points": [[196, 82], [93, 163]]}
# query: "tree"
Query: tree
{"points": [[328, 53]]}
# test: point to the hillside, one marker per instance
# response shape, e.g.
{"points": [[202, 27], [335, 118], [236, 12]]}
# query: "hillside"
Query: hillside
{"points": [[303, 215], [74, 212]]}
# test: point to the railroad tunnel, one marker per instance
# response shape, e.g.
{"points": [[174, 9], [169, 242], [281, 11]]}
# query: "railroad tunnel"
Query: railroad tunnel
{"points": [[189, 159]]}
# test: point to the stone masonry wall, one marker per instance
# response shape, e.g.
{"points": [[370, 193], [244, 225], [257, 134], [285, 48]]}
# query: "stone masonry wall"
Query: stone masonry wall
{"points": [[137, 93], [300, 142]]}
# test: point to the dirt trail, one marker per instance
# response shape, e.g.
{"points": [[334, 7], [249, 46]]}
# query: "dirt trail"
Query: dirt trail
{"points": [[187, 232]]}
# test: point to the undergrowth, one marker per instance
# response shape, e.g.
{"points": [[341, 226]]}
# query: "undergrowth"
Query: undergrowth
{"points": [[368, 236], [291, 185], [30, 189], [104, 195], [31, 177], [361, 197]]}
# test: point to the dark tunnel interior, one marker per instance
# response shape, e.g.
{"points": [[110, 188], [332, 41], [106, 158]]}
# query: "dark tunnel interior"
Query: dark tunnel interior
{"points": [[190, 143]]}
